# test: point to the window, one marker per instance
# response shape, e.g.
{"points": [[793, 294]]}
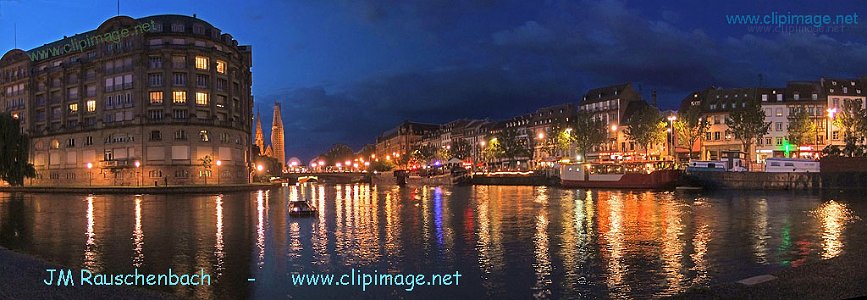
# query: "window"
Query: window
{"points": [[156, 97], [221, 84], [221, 67], [182, 173], [91, 105], [73, 107], [201, 63], [180, 113], [716, 136], [155, 62], [180, 79], [155, 114], [767, 141], [779, 112], [204, 135], [202, 80], [779, 97], [835, 135], [70, 143], [180, 135], [155, 79], [779, 126], [55, 144], [202, 99], [155, 173], [179, 97], [178, 62], [177, 27], [779, 141], [156, 135]]}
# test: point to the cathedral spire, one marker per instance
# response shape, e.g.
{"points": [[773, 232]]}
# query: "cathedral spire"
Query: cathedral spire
{"points": [[260, 139], [277, 142]]}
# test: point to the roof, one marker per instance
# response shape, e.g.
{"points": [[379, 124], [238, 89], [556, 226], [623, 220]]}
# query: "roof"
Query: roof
{"points": [[605, 93]]}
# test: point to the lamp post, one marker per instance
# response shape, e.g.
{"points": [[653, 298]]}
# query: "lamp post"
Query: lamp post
{"points": [[219, 163], [89, 174], [613, 136], [829, 123], [137, 165], [259, 168], [671, 142]]}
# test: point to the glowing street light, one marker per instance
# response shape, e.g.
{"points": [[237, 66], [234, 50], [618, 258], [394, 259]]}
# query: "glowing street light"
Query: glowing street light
{"points": [[613, 127], [541, 135], [137, 165], [219, 163], [259, 168], [89, 174]]}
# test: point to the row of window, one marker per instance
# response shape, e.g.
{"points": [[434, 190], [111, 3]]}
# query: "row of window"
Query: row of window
{"points": [[180, 62], [180, 97]]}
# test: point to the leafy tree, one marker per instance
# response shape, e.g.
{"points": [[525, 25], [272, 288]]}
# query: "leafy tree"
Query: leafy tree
{"points": [[338, 153], [382, 166], [424, 153], [851, 120], [461, 149], [511, 146], [207, 162], [646, 128], [491, 151], [802, 129], [746, 124], [690, 126], [367, 151], [588, 132], [14, 151]]}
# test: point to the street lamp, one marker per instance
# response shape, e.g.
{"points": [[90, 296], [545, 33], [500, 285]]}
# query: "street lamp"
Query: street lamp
{"points": [[137, 165], [671, 142], [219, 163], [89, 174], [831, 112], [613, 138]]}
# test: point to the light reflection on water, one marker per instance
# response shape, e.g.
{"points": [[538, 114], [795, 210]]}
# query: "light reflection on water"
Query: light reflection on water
{"points": [[508, 242]]}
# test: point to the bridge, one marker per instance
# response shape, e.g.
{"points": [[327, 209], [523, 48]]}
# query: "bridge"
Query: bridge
{"points": [[328, 177]]}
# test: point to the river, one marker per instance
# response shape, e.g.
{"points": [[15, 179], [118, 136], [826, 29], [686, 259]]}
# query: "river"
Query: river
{"points": [[505, 241]]}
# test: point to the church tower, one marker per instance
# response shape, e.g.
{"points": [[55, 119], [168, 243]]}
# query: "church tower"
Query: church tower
{"points": [[260, 139], [277, 136]]}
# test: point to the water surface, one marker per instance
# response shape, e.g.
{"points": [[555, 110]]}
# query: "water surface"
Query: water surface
{"points": [[507, 242]]}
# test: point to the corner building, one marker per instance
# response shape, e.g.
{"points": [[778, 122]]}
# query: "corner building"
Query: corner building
{"points": [[142, 111]]}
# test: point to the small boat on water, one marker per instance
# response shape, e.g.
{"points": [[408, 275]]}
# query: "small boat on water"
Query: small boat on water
{"points": [[628, 175], [301, 208]]}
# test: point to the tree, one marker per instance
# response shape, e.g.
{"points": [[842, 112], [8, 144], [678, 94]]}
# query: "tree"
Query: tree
{"points": [[646, 128], [802, 129], [14, 151], [851, 120], [511, 146], [588, 132], [461, 149], [338, 153], [367, 151], [491, 151], [690, 127], [206, 164], [746, 124], [424, 154]]}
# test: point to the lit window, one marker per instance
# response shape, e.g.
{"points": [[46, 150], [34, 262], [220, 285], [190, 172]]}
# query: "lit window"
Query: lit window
{"points": [[201, 63], [156, 97], [91, 105], [202, 99], [204, 135], [221, 67], [73, 107], [179, 97]]}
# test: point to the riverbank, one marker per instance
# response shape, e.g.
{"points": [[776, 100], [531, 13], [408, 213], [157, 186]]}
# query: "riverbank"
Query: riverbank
{"points": [[171, 189], [843, 277], [21, 278]]}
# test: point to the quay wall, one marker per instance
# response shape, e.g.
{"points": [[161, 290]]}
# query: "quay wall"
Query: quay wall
{"points": [[778, 181], [480, 179]]}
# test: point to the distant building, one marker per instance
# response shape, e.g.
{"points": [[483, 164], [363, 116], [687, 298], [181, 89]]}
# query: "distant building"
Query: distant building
{"points": [[613, 105], [402, 139], [142, 111]]}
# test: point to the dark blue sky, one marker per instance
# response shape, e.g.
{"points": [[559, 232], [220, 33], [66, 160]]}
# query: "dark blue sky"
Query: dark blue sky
{"points": [[346, 70]]}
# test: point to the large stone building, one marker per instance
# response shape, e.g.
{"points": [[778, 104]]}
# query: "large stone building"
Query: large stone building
{"points": [[402, 139], [142, 109]]}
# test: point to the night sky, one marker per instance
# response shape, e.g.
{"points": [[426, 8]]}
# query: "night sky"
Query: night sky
{"points": [[345, 71]]}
